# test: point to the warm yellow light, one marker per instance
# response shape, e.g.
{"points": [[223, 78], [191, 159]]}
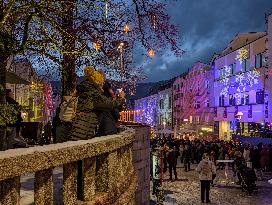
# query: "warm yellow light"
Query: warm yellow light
{"points": [[97, 45], [126, 28], [151, 53]]}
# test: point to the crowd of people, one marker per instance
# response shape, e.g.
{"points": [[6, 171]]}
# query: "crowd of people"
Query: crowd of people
{"points": [[205, 155]]}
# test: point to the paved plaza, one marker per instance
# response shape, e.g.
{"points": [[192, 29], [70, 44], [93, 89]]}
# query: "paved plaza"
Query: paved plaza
{"points": [[186, 191]]}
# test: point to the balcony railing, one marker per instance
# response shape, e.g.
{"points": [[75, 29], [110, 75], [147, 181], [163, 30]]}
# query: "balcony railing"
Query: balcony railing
{"points": [[108, 173]]}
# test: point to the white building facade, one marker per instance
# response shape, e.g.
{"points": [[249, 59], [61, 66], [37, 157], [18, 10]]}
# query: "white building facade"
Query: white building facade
{"points": [[165, 108]]}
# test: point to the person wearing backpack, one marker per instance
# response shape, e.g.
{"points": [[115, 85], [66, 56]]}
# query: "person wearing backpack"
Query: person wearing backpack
{"points": [[206, 169]]}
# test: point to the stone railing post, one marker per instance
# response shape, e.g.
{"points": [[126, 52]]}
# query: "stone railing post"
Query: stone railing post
{"points": [[10, 191], [114, 170], [70, 183], [89, 178], [43, 187], [102, 173]]}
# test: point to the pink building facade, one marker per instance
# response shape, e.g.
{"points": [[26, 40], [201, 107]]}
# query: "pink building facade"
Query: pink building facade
{"points": [[192, 99]]}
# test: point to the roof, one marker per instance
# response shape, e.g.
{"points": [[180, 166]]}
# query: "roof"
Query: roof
{"points": [[242, 39]]}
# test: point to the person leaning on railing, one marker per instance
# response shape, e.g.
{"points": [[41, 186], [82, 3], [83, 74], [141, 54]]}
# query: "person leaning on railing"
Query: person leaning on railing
{"points": [[91, 102]]}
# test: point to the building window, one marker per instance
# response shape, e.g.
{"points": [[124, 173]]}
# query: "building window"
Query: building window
{"points": [[174, 87], [169, 102], [258, 60], [260, 97], [197, 104], [221, 101], [161, 104], [207, 84], [181, 84], [207, 103], [230, 99], [247, 98], [221, 71], [178, 87], [245, 64]]}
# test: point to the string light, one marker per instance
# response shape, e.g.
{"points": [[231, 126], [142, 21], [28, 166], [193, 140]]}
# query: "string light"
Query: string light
{"points": [[151, 53], [97, 46], [121, 45], [126, 28], [107, 8]]}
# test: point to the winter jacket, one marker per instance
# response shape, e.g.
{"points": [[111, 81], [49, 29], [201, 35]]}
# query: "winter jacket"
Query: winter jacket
{"points": [[205, 174], [246, 155], [91, 102], [172, 157]]}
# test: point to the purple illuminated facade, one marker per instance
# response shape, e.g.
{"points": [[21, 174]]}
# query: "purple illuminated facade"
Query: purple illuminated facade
{"points": [[242, 89], [149, 108]]}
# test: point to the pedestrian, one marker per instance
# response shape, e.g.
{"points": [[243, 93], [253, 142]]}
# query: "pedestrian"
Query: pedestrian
{"points": [[172, 161], [91, 102], [206, 169], [256, 164], [14, 138], [187, 157], [108, 119], [264, 158]]}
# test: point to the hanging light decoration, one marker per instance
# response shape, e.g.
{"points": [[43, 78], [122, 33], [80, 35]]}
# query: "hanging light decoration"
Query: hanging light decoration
{"points": [[97, 45], [151, 53], [121, 45], [126, 28], [153, 21], [107, 8]]}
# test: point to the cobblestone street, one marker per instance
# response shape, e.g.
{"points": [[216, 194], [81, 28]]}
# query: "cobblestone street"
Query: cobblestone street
{"points": [[186, 190]]}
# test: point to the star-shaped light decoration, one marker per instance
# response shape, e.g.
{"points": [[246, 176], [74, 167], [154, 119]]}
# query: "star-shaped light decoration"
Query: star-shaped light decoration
{"points": [[242, 55]]}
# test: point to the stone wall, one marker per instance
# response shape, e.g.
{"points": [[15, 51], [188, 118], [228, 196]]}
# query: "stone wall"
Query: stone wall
{"points": [[141, 161]]}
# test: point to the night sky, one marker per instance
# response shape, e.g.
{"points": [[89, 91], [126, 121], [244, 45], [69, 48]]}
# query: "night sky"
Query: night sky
{"points": [[206, 27]]}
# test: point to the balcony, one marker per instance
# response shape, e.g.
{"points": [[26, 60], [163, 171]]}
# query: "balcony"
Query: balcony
{"points": [[111, 166]]}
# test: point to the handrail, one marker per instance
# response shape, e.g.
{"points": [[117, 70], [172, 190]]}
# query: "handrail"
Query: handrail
{"points": [[106, 161]]}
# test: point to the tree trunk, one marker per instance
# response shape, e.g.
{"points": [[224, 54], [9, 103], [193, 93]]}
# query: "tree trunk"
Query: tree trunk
{"points": [[68, 67], [3, 129]]}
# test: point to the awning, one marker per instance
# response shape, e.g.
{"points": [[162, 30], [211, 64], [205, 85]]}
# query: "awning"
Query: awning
{"points": [[13, 78], [185, 131], [164, 131]]}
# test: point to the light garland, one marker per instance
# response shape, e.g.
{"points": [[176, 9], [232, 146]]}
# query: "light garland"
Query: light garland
{"points": [[107, 9]]}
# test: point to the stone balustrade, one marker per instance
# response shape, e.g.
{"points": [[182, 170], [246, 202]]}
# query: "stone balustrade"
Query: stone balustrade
{"points": [[108, 173]]}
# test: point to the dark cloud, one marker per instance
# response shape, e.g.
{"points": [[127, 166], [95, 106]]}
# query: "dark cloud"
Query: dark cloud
{"points": [[207, 26]]}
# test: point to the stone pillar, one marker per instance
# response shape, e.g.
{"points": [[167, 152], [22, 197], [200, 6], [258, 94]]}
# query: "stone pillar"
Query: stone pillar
{"points": [[89, 177], [10, 191], [141, 161], [70, 183], [43, 187]]}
